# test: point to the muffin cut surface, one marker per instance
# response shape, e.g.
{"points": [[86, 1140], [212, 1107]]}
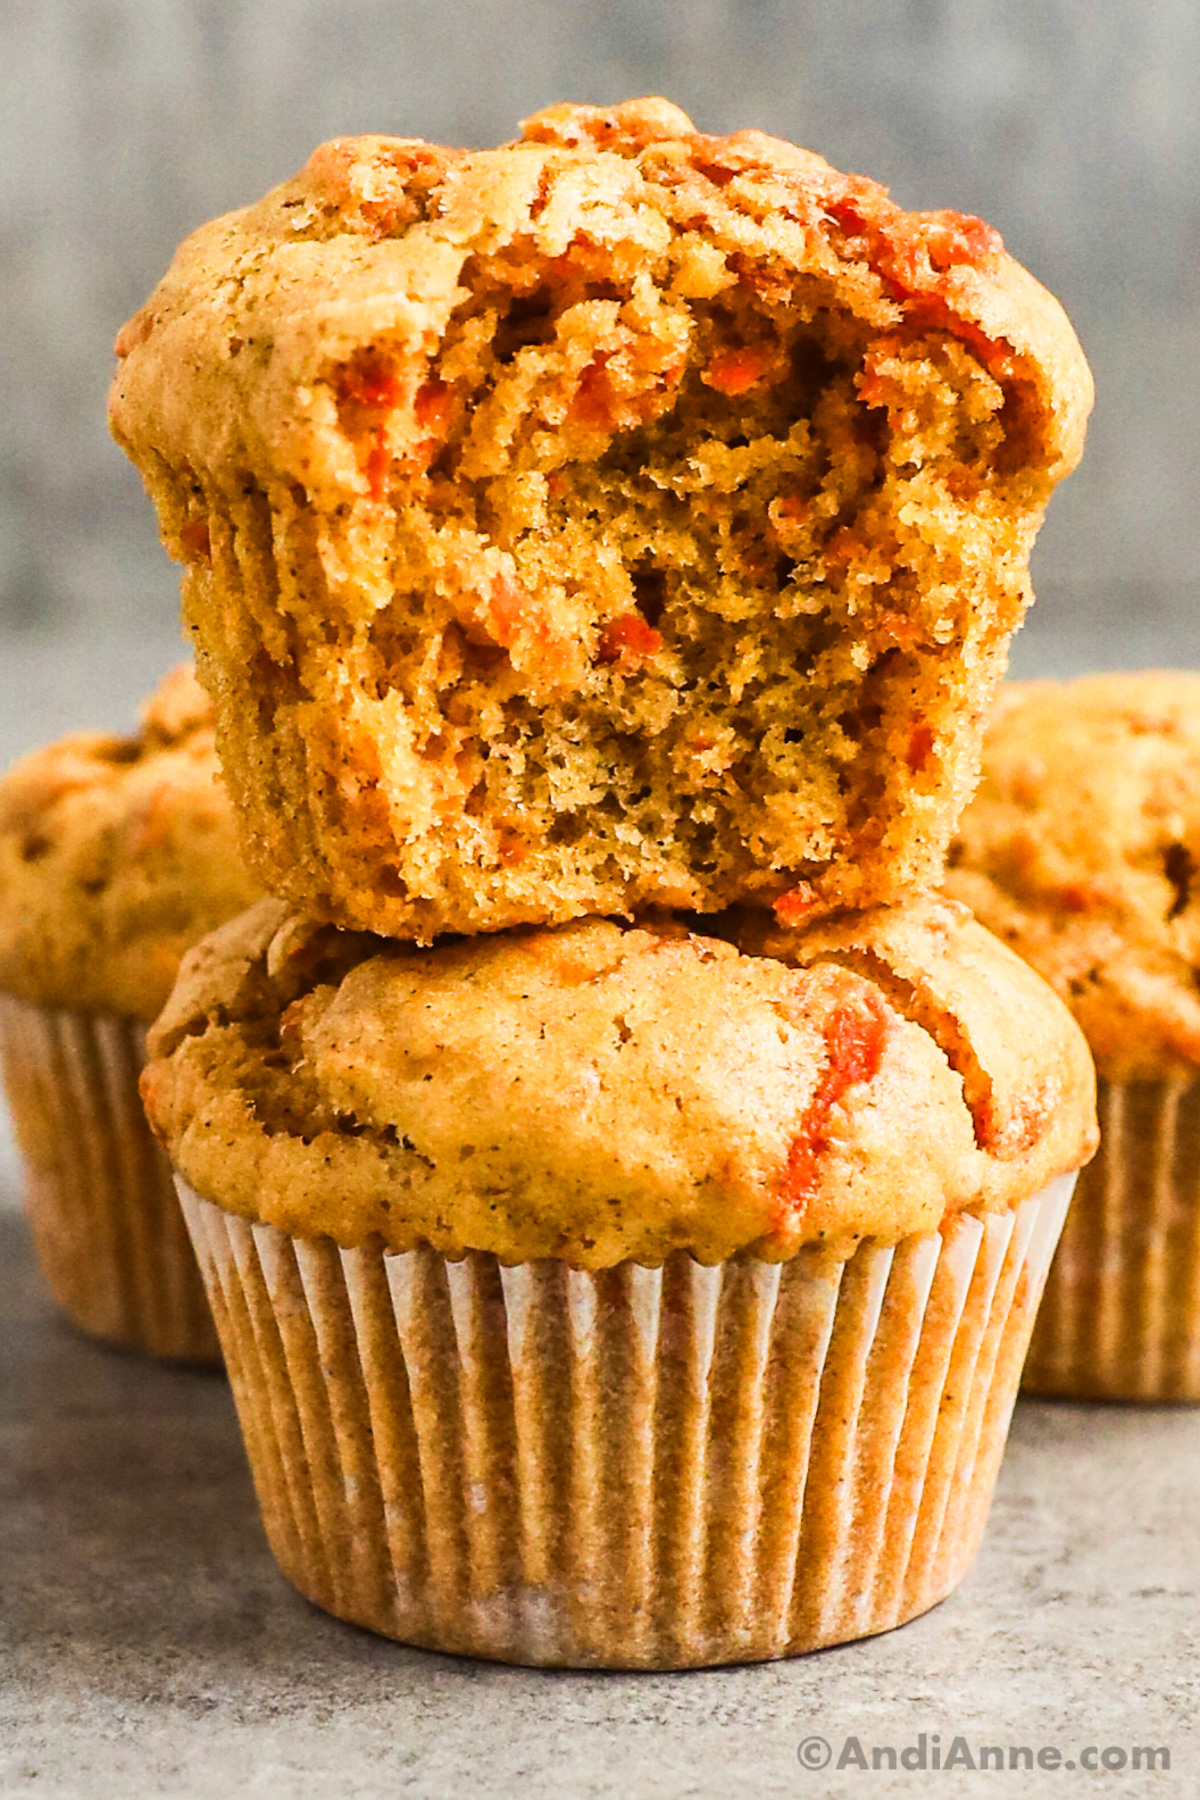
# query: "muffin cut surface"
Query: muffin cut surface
{"points": [[621, 517]]}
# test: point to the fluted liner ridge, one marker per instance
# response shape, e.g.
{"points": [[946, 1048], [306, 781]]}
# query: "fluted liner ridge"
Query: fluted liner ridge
{"points": [[637, 1468]]}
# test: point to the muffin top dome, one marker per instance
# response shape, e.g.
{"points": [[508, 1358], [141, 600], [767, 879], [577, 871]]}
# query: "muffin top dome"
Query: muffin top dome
{"points": [[595, 1093], [252, 348], [1082, 851], [116, 854], [624, 517]]}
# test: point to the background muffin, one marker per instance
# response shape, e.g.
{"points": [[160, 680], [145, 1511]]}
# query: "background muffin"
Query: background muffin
{"points": [[615, 1296], [116, 854], [1081, 850], [621, 517]]}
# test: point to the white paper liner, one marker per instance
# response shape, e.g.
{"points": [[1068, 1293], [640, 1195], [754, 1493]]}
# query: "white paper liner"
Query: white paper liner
{"points": [[1120, 1319], [102, 1208], [642, 1468]]}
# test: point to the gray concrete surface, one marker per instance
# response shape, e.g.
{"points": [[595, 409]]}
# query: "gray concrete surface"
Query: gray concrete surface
{"points": [[150, 1647]]}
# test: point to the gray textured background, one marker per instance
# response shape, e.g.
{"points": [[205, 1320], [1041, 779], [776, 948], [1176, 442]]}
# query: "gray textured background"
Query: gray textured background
{"points": [[1074, 125]]}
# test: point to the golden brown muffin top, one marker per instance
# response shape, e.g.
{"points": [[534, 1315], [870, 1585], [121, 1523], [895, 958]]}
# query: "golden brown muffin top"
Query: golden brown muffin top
{"points": [[245, 353], [116, 854], [1081, 850], [598, 1094]]}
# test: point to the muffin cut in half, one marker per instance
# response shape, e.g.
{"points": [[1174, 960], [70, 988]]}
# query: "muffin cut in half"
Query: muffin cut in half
{"points": [[116, 854], [617, 1297], [621, 517], [1082, 851]]}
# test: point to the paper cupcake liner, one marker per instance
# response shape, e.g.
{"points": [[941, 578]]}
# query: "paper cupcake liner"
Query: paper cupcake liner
{"points": [[642, 1468], [1121, 1315], [102, 1208]]}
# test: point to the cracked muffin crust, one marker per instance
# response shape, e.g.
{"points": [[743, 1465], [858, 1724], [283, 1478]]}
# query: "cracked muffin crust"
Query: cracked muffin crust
{"points": [[624, 517], [116, 854], [596, 1094], [1081, 850]]}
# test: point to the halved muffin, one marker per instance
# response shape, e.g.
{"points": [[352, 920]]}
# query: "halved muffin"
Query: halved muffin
{"points": [[622, 517]]}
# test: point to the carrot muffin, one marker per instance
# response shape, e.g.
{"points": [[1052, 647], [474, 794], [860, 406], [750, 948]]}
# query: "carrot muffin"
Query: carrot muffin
{"points": [[624, 517], [116, 854], [1081, 850], [620, 1296]]}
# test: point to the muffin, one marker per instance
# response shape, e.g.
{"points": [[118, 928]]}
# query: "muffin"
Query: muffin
{"points": [[620, 1296], [1081, 851], [622, 518], [116, 854]]}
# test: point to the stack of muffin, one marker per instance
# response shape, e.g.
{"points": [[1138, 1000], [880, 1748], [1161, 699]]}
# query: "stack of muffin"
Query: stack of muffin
{"points": [[623, 1187]]}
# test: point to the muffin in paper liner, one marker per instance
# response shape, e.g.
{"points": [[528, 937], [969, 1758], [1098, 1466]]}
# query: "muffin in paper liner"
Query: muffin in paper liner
{"points": [[105, 1220], [1120, 1319], [634, 1468], [116, 854], [1081, 850]]}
